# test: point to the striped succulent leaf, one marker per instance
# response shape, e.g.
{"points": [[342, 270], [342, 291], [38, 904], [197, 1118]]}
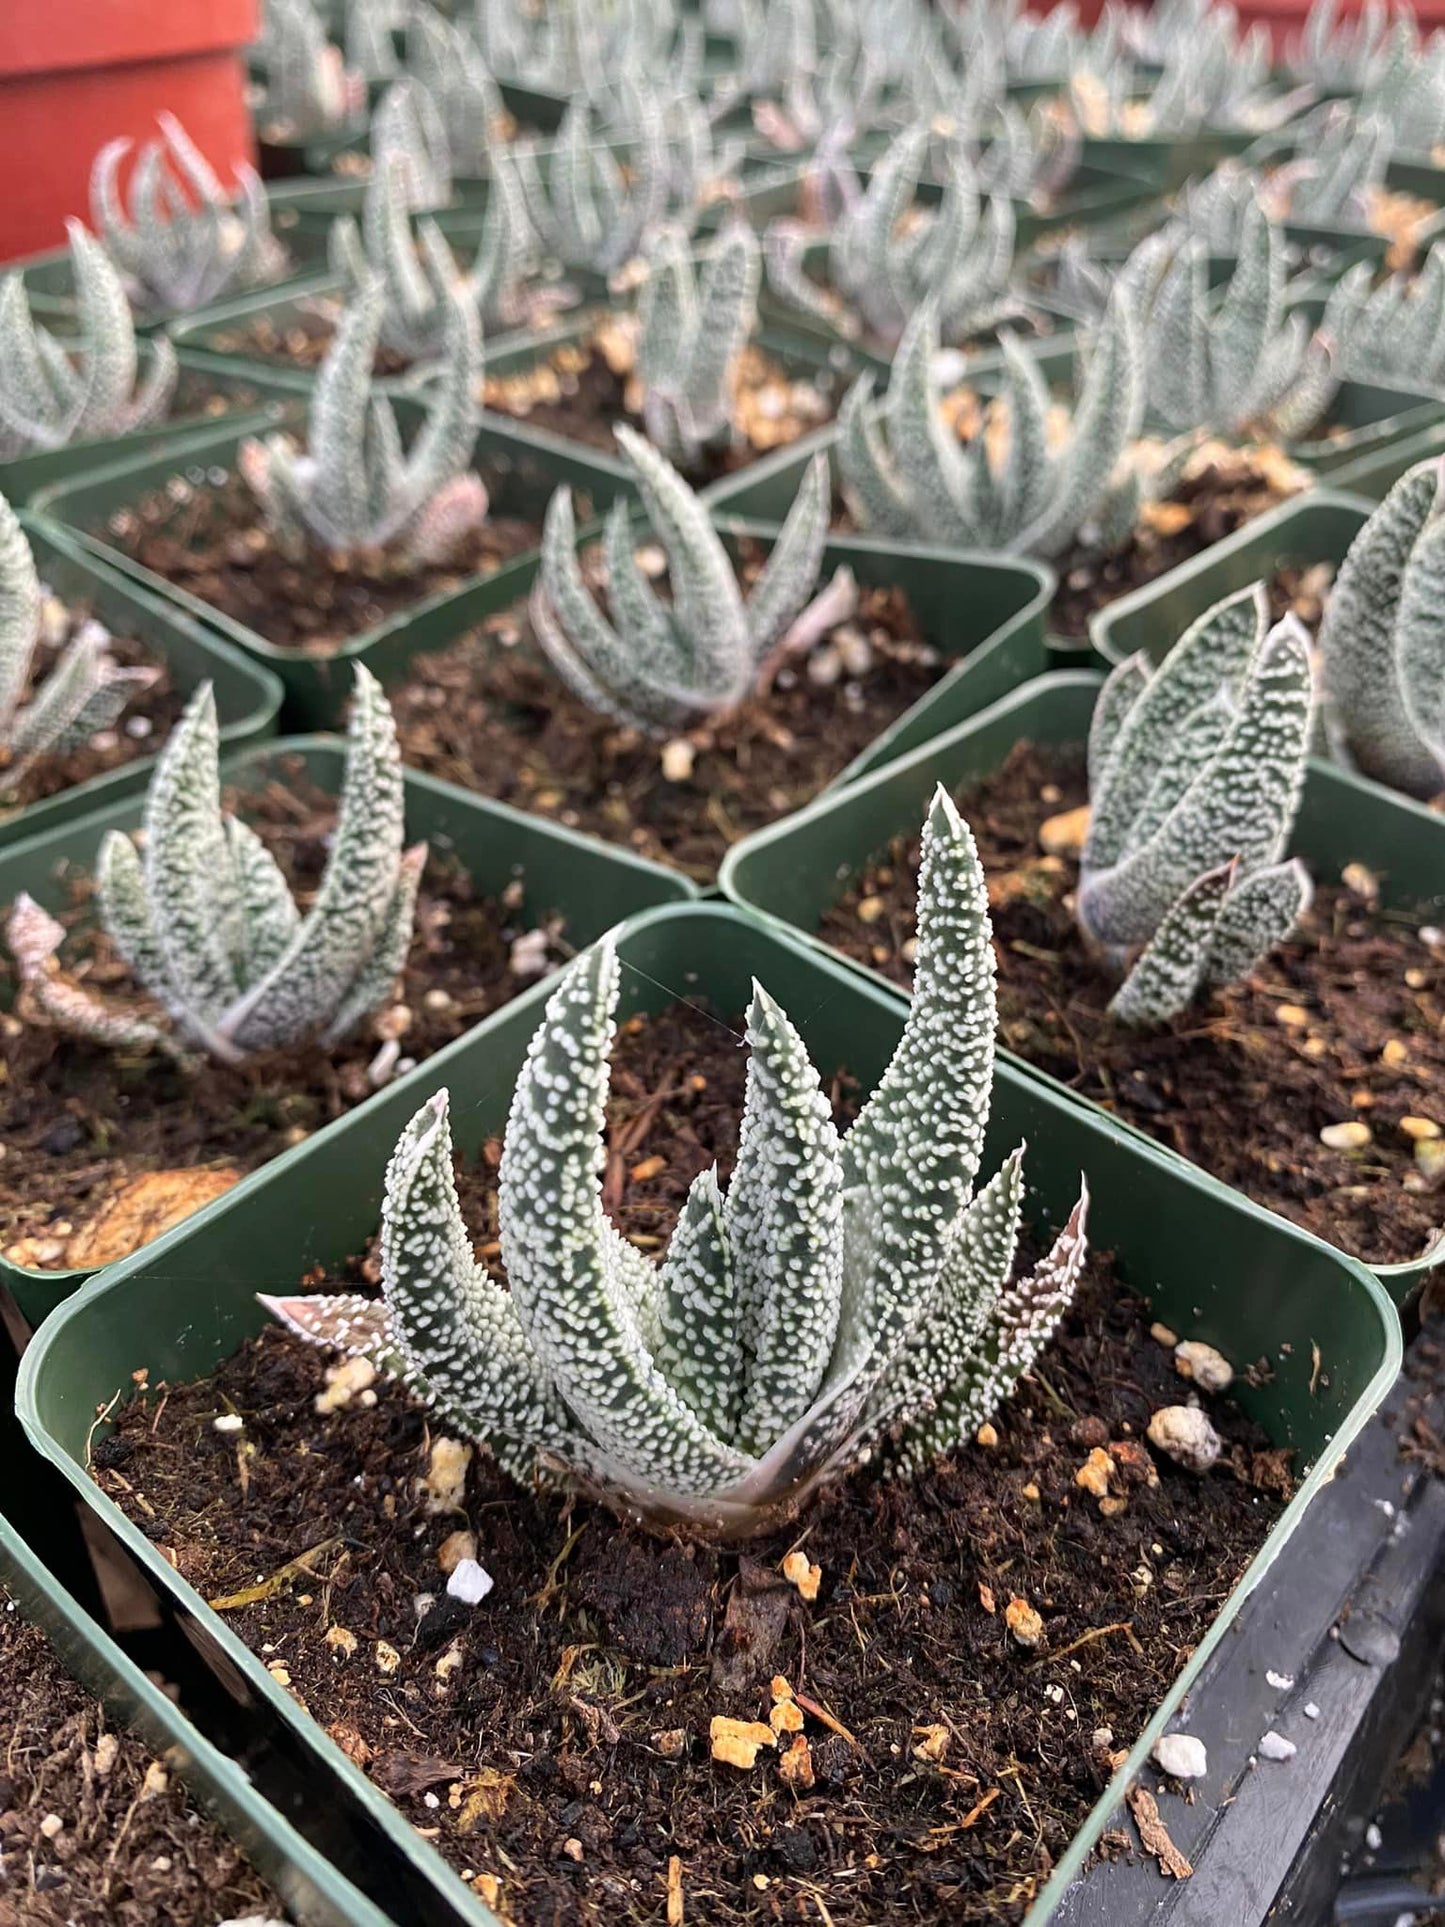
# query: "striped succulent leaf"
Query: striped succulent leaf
{"points": [[408, 133], [692, 330], [587, 212], [309, 89]]}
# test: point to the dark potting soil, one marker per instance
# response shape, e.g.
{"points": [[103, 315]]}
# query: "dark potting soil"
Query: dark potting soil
{"points": [[1244, 1082], [82, 1126], [212, 540], [143, 725], [131, 1850], [490, 713], [298, 338], [554, 1741]]}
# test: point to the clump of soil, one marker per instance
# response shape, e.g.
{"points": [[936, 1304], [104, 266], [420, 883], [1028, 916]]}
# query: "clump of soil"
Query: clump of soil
{"points": [[490, 713], [583, 388], [131, 1850], [141, 729], [554, 1741], [1246, 1079], [212, 540], [80, 1122], [299, 337]]}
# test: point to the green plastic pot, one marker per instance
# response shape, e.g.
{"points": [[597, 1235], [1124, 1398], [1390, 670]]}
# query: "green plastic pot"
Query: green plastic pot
{"points": [[791, 873], [525, 467], [1167, 160], [248, 697], [1210, 1263], [1373, 476], [591, 885]]}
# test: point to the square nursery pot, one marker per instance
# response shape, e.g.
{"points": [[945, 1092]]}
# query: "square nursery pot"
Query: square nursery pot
{"points": [[794, 871], [525, 468], [1167, 161], [1207, 1259], [1373, 476], [248, 696], [591, 885]]}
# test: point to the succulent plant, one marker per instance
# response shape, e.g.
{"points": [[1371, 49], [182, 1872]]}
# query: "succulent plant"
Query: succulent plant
{"points": [[906, 475], [354, 486], [408, 125], [85, 690], [309, 88], [1393, 334], [654, 664], [1382, 639], [587, 213], [1030, 157], [417, 269], [1342, 54], [182, 243], [848, 1296], [370, 50], [692, 330], [1408, 94], [446, 61], [59, 389], [1341, 163], [960, 253], [1195, 774], [205, 918]]}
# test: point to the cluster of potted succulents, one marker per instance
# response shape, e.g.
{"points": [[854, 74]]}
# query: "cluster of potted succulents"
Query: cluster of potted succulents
{"points": [[908, 540]]}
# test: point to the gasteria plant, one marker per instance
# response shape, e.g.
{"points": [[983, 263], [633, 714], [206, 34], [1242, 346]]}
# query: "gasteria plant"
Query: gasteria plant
{"points": [[54, 389], [448, 63], [1343, 55], [848, 1296], [85, 690], [906, 474], [655, 665], [586, 212], [309, 88], [416, 270], [370, 50], [1409, 93], [691, 333], [354, 487], [1195, 774], [1394, 333], [1382, 639], [205, 918], [1030, 157], [408, 125], [182, 243]]}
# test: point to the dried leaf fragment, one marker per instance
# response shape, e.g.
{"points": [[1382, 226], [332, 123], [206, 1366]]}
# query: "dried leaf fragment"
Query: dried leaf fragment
{"points": [[1155, 1835]]}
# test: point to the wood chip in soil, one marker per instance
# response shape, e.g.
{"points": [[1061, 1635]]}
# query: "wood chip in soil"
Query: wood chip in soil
{"points": [[79, 1121], [489, 712], [1243, 1082], [131, 1849], [210, 539], [554, 1740]]}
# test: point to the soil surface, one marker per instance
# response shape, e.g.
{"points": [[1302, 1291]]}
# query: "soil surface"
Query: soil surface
{"points": [[142, 727], [131, 1849], [1244, 1082], [213, 542], [298, 338], [490, 713], [79, 1122], [554, 1740]]}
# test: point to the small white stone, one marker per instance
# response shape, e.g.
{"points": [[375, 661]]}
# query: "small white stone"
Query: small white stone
{"points": [[1184, 1432], [677, 760], [382, 1067], [1054, 1694], [1210, 1370], [825, 666], [51, 1825], [469, 1582], [529, 954], [1312, 1712], [430, 1800], [1281, 1682], [228, 1422], [1181, 1756], [855, 651], [1374, 1839], [1274, 1746]]}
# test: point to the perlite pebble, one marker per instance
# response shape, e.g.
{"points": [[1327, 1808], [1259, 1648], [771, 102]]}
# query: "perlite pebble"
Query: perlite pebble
{"points": [[1210, 1370], [1351, 1136], [469, 1582], [1274, 1746], [1185, 1434], [1181, 1756]]}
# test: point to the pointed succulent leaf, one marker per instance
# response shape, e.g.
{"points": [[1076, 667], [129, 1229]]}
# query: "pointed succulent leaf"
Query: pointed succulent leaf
{"points": [[1171, 967], [790, 573], [700, 1351]]}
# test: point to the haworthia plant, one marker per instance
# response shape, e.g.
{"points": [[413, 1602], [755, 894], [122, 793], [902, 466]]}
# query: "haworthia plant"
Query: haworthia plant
{"points": [[309, 88], [847, 1295], [906, 474], [1030, 157], [655, 664], [182, 243], [1342, 54], [355, 486], [1195, 774], [204, 917], [1393, 333], [416, 270], [1408, 93], [447, 61], [691, 331], [60, 389], [1382, 639], [587, 212], [885, 256], [85, 689], [408, 126], [370, 50]]}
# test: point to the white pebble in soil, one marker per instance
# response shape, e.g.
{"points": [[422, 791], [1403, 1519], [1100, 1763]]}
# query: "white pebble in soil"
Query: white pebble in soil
{"points": [[1181, 1756]]}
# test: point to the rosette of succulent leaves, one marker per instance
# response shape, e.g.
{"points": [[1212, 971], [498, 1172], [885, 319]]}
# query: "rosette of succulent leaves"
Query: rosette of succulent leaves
{"points": [[565, 46], [444, 58], [1393, 334], [1409, 93], [1195, 774], [1382, 640], [309, 88], [691, 329], [1236, 364], [407, 131], [1210, 77], [697, 165], [205, 919], [832, 104], [883, 265], [848, 1297], [1343, 54], [354, 486], [1028, 156], [1329, 185], [370, 49], [659, 666], [78, 387], [416, 269], [587, 212], [181, 242], [85, 689], [906, 475]]}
